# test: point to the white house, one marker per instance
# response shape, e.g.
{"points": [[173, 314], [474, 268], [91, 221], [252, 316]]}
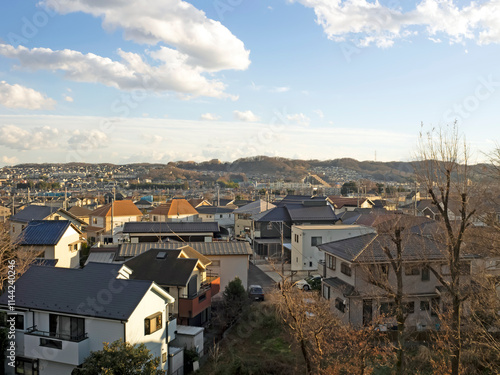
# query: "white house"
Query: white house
{"points": [[53, 239], [305, 255], [64, 314]]}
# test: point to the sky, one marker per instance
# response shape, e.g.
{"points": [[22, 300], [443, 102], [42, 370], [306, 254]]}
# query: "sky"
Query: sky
{"points": [[156, 81]]}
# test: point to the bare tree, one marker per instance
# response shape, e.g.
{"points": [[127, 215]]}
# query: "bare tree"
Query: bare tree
{"points": [[442, 167], [14, 260]]}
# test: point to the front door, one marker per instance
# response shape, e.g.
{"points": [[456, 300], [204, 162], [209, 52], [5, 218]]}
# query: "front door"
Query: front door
{"points": [[367, 312]]}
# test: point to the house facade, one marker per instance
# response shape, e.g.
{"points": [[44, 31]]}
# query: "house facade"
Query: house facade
{"points": [[305, 255], [353, 264], [65, 314]]}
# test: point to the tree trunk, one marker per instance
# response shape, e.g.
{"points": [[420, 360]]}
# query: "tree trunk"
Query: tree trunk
{"points": [[456, 338]]}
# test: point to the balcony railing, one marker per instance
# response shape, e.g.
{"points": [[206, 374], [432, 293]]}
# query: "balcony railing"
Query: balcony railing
{"points": [[58, 336]]}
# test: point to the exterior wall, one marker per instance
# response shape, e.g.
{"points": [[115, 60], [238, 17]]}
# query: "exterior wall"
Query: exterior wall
{"points": [[66, 258], [304, 256], [156, 342], [242, 221], [229, 267], [16, 229]]}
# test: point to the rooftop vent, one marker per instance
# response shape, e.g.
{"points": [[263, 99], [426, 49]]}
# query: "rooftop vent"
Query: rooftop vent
{"points": [[161, 255]]}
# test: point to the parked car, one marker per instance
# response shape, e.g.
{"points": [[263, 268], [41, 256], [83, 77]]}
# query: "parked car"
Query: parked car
{"points": [[309, 283], [256, 293]]}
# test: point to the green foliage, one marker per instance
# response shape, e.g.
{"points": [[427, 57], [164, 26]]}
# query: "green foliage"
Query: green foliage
{"points": [[348, 187], [235, 292], [120, 358]]}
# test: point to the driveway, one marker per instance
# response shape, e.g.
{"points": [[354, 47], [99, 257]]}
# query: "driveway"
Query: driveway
{"points": [[258, 277]]}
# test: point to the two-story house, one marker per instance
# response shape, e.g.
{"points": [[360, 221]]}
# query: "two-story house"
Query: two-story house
{"points": [[53, 239], [352, 264], [182, 273], [61, 315], [178, 209], [243, 222]]}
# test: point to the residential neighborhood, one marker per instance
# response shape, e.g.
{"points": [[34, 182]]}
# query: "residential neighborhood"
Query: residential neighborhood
{"points": [[156, 270]]}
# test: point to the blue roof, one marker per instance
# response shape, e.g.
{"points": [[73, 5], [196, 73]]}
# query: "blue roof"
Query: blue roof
{"points": [[33, 212], [43, 232], [79, 291], [170, 227]]}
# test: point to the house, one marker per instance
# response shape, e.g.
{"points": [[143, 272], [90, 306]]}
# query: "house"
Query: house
{"points": [[36, 212], [115, 215], [183, 274], [81, 212], [275, 224], [228, 259], [144, 204], [351, 262], [181, 231], [198, 202], [4, 214], [53, 239], [342, 204], [62, 315], [222, 215], [305, 255], [178, 209], [243, 222]]}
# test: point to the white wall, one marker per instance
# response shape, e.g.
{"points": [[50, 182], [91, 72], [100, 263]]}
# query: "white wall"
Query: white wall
{"points": [[305, 257], [230, 267]]}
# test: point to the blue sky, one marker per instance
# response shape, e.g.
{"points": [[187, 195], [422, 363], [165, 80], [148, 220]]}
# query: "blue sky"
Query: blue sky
{"points": [[162, 80]]}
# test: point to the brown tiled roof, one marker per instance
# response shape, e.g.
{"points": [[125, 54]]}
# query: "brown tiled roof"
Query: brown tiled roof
{"points": [[120, 208], [177, 206], [80, 211], [340, 202]]}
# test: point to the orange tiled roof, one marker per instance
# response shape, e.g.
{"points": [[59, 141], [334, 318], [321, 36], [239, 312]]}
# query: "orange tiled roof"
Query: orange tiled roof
{"points": [[178, 206], [120, 208]]}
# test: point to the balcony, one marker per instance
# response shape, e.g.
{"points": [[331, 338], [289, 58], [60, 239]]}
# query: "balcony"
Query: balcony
{"points": [[192, 305], [56, 347]]}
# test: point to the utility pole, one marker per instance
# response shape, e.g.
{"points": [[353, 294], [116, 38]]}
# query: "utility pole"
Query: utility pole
{"points": [[282, 252], [415, 208], [112, 212]]}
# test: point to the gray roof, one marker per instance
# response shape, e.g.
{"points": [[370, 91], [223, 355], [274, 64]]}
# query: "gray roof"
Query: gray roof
{"points": [[33, 212], [214, 210], [369, 248], [168, 271], [43, 232], [68, 291], [254, 207], [204, 248], [306, 213], [170, 227], [335, 282]]}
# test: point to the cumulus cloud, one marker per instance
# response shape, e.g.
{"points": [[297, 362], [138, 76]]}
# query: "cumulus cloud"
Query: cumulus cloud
{"points": [[17, 96], [209, 117], [246, 116], [205, 43], [369, 22], [88, 140], [9, 160], [299, 119], [68, 98], [17, 138], [131, 73]]}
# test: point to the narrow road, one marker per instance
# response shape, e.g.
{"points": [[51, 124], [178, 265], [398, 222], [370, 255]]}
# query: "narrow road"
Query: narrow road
{"points": [[258, 277]]}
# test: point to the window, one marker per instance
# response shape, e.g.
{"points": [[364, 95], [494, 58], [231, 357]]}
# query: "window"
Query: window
{"points": [[296, 238], [330, 262], [153, 323], [326, 292], [220, 216], [26, 366], [345, 269], [424, 306], [426, 274], [412, 271], [19, 318], [435, 306], [340, 305], [315, 241], [409, 307], [54, 344], [67, 327], [269, 226], [94, 220], [163, 357], [215, 263], [387, 308]]}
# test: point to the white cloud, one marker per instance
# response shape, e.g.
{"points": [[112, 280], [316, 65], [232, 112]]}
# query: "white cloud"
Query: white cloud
{"points": [[209, 116], [9, 160], [129, 74], [205, 43], [246, 116], [279, 89], [17, 138], [367, 22], [320, 113], [17, 96], [68, 98], [299, 119], [84, 140]]}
